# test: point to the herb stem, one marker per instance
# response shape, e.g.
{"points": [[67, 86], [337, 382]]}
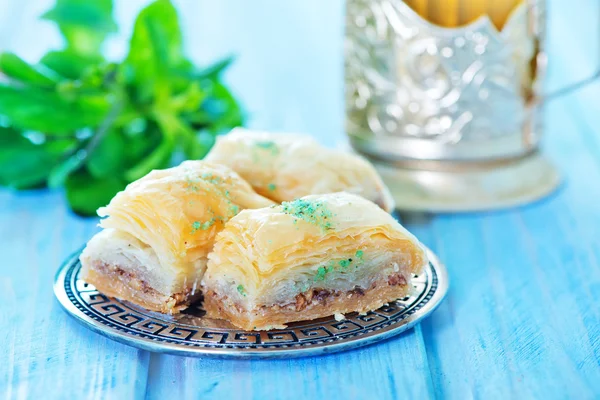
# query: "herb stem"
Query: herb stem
{"points": [[75, 159], [104, 126]]}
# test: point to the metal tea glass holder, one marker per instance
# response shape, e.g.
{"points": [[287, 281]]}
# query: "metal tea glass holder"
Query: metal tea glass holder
{"points": [[451, 117]]}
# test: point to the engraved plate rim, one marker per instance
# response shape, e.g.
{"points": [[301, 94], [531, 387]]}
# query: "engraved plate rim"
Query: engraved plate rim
{"points": [[67, 294]]}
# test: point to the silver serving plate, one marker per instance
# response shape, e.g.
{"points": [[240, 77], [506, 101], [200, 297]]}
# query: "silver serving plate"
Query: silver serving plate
{"points": [[192, 334]]}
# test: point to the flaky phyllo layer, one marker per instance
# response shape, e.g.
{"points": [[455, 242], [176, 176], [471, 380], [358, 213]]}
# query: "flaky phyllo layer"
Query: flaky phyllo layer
{"points": [[302, 255], [160, 229], [285, 167]]}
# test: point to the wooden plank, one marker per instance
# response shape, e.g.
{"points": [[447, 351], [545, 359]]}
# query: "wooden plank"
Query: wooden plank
{"points": [[394, 369], [524, 286], [45, 353], [454, 367]]}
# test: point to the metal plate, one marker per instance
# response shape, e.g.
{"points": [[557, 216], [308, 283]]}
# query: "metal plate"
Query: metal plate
{"points": [[191, 334]]}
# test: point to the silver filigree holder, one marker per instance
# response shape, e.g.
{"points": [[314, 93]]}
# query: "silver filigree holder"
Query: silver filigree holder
{"points": [[451, 117]]}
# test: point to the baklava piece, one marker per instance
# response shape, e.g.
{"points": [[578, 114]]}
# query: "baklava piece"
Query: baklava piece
{"points": [[284, 167], [312, 257], [159, 230]]}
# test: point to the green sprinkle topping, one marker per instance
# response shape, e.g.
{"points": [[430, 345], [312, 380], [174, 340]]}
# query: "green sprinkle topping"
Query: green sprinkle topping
{"points": [[359, 254], [191, 186], [268, 145], [206, 176], [332, 265], [321, 272], [241, 290], [202, 226], [314, 212], [271, 187], [235, 209], [227, 193], [324, 270], [209, 177]]}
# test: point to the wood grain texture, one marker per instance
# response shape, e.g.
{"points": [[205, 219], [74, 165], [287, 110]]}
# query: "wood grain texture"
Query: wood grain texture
{"points": [[521, 320], [396, 368], [44, 350]]}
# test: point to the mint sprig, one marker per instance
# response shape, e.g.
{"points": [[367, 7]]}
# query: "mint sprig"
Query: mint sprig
{"points": [[75, 120]]}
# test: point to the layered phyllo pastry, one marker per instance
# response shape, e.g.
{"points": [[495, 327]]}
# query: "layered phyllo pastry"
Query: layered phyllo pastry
{"points": [[284, 167], [313, 257], [159, 230]]}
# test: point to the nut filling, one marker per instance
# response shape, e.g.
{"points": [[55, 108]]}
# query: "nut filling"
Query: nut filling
{"points": [[319, 296], [322, 296], [131, 280]]}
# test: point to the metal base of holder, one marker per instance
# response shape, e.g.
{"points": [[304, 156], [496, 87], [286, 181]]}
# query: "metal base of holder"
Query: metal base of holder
{"points": [[466, 189]]}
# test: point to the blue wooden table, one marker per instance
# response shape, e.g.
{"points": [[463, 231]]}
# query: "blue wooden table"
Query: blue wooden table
{"points": [[521, 320]]}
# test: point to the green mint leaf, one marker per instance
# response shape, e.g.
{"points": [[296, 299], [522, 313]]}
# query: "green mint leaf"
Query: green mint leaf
{"points": [[140, 145], [158, 158], [24, 164], [108, 158], [182, 133], [188, 100], [155, 49], [84, 24], [223, 108], [32, 109], [198, 146], [16, 68], [69, 64], [214, 71], [59, 174], [86, 194]]}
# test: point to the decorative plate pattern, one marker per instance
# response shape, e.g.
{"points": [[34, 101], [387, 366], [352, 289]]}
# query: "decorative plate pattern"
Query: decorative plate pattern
{"points": [[191, 334]]}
